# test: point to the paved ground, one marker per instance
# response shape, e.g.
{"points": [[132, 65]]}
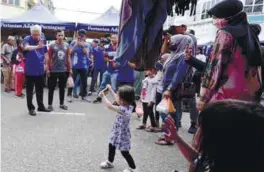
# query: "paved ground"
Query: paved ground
{"points": [[76, 143]]}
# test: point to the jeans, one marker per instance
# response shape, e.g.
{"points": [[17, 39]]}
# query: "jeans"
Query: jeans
{"points": [[177, 116], [193, 110], [108, 78], [77, 83], [38, 82], [83, 77], [95, 76], [62, 76]]}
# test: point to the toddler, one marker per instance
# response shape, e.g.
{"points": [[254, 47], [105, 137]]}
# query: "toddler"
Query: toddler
{"points": [[148, 96], [120, 134]]}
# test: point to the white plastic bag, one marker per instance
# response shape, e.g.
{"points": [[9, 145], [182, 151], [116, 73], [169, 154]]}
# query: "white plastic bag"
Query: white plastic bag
{"points": [[163, 107], [70, 82]]}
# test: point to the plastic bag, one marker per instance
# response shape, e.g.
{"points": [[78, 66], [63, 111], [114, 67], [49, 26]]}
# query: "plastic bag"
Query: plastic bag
{"points": [[70, 82], [139, 110], [162, 107], [166, 106], [171, 107]]}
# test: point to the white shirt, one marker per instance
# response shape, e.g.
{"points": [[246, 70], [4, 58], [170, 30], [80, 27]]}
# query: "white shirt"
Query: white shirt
{"points": [[149, 87], [201, 57]]}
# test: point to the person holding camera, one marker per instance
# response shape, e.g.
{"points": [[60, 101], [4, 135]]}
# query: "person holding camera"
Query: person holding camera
{"points": [[79, 51]]}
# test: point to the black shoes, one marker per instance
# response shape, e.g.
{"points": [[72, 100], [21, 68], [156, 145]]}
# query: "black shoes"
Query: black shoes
{"points": [[192, 129], [75, 96], [43, 109], [50, 107], [64, 107], [32, 113], [98, 100], [86, 99]]}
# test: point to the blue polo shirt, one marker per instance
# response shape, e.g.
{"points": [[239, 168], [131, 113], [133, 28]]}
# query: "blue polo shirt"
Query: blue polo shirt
{"points": [[79, 58], [34, 63], [126, 74], [111, 54], [98, 54]]}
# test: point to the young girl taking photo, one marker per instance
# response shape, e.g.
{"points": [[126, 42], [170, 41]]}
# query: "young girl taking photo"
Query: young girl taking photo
{"points": [[120, 134]]}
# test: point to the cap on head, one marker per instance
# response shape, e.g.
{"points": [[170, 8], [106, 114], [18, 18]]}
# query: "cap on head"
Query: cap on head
{"points": [[82, 32], [226, 9]]}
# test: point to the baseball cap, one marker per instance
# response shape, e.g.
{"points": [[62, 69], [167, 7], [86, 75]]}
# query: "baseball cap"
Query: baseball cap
{"points": [[82, 32]]}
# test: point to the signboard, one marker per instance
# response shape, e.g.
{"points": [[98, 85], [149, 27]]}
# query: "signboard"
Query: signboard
{"points": [[44, 26], [93, 28], [256, 18]]}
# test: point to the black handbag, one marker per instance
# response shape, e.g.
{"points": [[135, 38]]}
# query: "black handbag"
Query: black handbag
{"points": [[187, 89]]}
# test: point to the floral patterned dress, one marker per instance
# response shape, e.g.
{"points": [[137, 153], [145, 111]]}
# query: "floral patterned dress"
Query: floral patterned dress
{"points": [[120, 134], [227, 74]]}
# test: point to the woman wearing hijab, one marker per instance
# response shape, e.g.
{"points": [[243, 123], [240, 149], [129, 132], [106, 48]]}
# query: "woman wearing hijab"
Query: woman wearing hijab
{"points": [[232, 69], [176, 70]]}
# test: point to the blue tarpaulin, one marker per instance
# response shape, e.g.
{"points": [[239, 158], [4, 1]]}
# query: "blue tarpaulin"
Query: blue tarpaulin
{"points": [[37, 15], [108, 22]]}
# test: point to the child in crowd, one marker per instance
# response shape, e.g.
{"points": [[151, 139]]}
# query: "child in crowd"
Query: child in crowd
{"points": [[148, 96], [120, 134]]}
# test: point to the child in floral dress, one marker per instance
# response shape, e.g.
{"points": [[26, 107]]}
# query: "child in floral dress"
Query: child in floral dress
{"points": [[120, 134]]}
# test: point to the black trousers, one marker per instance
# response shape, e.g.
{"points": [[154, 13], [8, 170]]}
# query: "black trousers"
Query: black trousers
{"points": [[126, 155], [54, 77], [148, 112], [95, 74], [83, 78], [158, 100], [38, 82]]}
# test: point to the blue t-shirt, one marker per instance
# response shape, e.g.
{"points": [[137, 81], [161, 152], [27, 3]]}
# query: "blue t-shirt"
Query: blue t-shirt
{"points": [[34, 63], [98, 54], [109, 49], [79, 59], [126, 74]]}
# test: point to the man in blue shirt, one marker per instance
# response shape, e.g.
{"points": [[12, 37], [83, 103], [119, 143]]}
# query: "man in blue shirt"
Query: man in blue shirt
{"points": [[79, 51], [110, 74], [35, 53], [99, 64]]}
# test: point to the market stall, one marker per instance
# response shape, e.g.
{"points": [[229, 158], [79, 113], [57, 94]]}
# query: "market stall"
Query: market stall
{"points": [[105, 24], [37, 15]]}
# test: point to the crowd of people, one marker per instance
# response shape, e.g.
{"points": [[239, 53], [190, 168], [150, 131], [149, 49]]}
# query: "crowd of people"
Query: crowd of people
{"points": [[224, 90]]}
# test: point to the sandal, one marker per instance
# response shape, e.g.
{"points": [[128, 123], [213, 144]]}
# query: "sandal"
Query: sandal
{"points": [[159, 130], [151, 129], [161, 138], [141, 127], [164, 143]]}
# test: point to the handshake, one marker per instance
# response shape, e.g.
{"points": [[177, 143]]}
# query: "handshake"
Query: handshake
{"points": [[105, 91]]}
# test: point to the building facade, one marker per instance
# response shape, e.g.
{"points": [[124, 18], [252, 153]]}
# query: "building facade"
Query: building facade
{"points": [[201, 23], [13, 8]]}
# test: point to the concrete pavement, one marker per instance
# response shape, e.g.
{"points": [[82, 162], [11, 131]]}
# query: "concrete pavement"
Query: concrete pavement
{"points": [[76, 143]]}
